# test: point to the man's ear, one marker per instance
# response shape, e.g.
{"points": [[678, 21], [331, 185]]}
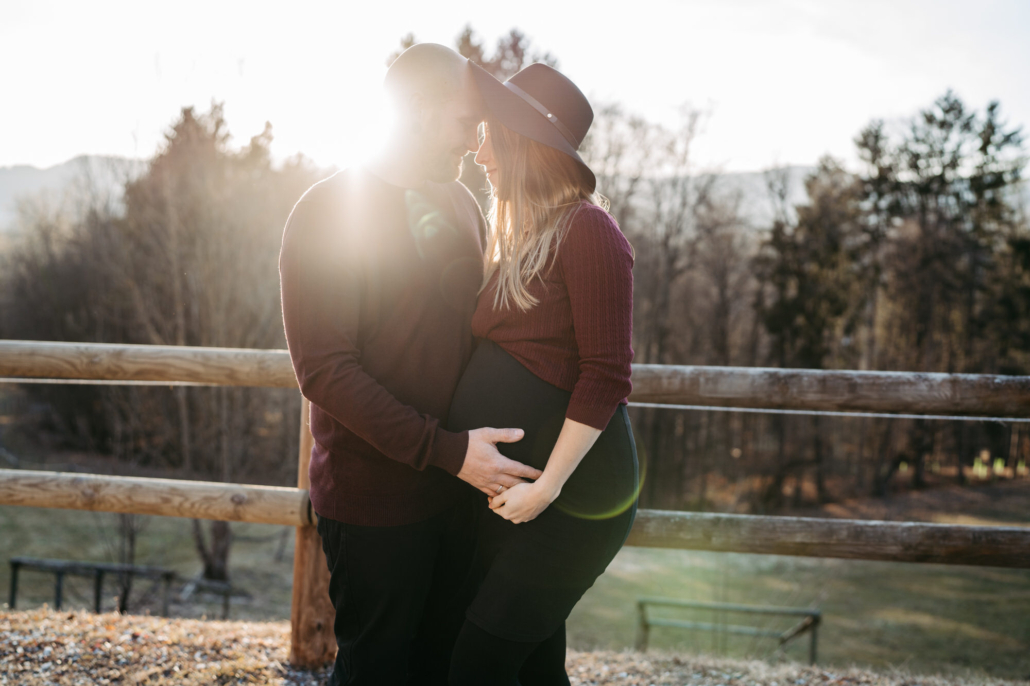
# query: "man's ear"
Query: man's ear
{"points": [[417, 111]]}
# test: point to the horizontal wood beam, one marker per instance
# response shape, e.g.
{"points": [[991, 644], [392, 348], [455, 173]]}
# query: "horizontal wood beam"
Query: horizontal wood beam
{"points": [[167, 497], [749, 387], [165, 363], [954, 544], [814, 389], [992, 546]]}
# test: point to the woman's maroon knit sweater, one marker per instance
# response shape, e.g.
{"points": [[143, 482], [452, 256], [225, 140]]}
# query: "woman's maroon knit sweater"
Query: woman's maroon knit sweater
{"points": [[577, 337]]}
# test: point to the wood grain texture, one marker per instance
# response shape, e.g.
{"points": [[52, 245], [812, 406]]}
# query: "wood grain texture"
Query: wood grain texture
{"points": [[758, 387], [167, 497], [172, 364], [312, 640], [996, 546], [992, 546], [810, 389]]}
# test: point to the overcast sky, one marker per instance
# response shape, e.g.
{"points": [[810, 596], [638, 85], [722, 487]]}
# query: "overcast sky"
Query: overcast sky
{"points": [[785, 81]]}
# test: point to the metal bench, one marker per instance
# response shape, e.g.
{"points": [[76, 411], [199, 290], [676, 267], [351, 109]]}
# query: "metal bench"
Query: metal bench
{"points": [[97, 570], [809, 624]]}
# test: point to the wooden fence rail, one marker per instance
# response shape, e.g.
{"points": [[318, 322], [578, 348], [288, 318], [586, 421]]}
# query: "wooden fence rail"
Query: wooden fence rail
{"points": [[992, 546], [311, 614], [168, 497], [799, 389], [955, 544], [171, 364]]}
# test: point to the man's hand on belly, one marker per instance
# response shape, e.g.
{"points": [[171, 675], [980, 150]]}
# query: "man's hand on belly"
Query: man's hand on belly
{"points": [[488, 470]]}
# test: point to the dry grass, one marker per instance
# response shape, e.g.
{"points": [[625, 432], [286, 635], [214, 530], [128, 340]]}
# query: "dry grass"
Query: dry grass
{"points": [[59, 648], [626, 669], [71, 648]]}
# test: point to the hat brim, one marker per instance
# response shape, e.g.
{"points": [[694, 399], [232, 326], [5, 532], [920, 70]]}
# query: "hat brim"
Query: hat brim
{"points": [[512, 111]]}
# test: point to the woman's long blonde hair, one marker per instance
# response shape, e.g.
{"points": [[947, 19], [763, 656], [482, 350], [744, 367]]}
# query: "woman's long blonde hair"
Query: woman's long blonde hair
{"points": [[540, 190]]}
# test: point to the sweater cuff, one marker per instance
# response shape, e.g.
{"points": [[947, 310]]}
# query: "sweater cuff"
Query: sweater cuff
{"points": [[597, 417], [449, 450]]}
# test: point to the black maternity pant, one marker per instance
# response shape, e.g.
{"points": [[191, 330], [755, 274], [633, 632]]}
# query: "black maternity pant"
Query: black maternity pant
{"points": [[534, 573], [400, 594]]}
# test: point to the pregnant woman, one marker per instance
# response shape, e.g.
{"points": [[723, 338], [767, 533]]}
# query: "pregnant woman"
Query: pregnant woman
{"points": [[553, 326]]}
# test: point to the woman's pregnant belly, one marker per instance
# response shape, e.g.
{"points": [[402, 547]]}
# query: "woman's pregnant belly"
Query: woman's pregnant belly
{"points": [[497, 391]]}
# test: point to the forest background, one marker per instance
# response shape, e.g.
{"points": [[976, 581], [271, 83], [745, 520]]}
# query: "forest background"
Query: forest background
{"points": [[919, 260]]}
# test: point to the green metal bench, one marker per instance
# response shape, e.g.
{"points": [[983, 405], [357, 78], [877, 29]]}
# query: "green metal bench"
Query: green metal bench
{"points": [[809, 623]]}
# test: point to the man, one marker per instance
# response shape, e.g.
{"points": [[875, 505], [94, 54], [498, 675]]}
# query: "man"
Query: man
{"points": [[380, 268]]}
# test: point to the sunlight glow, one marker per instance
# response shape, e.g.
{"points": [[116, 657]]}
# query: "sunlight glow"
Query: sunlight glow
{"points": [[784, 81]]}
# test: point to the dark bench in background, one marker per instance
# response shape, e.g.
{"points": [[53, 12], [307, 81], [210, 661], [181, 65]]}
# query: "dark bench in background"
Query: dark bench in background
{"points": [[97, 570], [809, 624]]}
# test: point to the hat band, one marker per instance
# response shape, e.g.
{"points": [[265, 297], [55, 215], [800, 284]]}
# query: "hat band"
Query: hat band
{"points": [[535, 104]]}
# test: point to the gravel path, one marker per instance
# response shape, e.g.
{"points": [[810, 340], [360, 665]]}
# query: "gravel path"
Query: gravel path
{"points": [[73, 648]]}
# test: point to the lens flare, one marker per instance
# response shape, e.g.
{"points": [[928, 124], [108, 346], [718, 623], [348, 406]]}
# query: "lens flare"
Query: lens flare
{"points": [[426, 222], [618, 508]]}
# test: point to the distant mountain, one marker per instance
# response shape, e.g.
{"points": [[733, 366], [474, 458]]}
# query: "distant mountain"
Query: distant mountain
{"points": [[757, 208], [756, 205], [102, 174], [108, 175], [749, 189]]}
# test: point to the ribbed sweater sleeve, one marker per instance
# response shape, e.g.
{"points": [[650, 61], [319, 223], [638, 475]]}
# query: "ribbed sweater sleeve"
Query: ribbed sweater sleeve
{"points": [[321, 298], [597, 264]]}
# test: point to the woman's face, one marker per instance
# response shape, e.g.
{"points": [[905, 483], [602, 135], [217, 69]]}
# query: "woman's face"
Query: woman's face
{"points": [[485, 157]]}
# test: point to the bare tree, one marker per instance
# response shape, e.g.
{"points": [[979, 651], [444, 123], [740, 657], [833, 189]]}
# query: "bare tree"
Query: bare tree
{"points": [[190, 258]]}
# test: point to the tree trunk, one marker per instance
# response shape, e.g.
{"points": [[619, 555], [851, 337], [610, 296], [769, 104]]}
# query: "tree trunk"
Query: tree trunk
{"points": [[185, 447], [861, 471], [962, 448], [704, 464], [881, 478], [772, 499], [128, 527], [215, 557], [817, 452], [923, 445]]}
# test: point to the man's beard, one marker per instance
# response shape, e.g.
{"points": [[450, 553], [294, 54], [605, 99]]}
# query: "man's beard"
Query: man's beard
{"points": [[445, 168]]}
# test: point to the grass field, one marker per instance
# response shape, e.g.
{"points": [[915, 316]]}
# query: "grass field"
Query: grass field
{"points": [[164, 542], [923, 617], [926, 618]]}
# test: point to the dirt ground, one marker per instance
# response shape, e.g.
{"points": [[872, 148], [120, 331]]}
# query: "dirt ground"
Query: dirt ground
{"points": [[61, 648], [997, 503]]}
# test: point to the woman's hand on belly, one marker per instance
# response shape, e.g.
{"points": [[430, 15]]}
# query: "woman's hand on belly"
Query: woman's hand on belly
{"points": [[523, 502]]}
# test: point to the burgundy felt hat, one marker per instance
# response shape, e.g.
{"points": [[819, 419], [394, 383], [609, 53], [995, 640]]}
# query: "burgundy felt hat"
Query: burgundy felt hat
{"points": [[540, 103]]}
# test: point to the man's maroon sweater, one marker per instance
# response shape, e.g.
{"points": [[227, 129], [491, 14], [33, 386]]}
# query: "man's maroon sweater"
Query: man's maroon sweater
{"points": [[378, 289]]}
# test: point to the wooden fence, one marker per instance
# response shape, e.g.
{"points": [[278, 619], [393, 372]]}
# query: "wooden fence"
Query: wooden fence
{"points": [[311, 614]]}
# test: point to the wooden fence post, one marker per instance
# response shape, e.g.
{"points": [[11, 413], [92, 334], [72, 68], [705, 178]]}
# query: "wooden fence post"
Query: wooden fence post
{"points": [[312, 642]]}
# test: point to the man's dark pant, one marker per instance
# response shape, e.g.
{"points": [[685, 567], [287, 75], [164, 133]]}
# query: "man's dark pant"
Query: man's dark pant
{"points": [[400, 594]]}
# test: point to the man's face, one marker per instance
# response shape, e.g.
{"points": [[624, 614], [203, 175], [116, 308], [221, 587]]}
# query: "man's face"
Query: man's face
{"points": [[449, 132]]}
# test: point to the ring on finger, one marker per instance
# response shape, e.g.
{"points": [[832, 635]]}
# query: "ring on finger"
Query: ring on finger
{"points": [[500, 488]]}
